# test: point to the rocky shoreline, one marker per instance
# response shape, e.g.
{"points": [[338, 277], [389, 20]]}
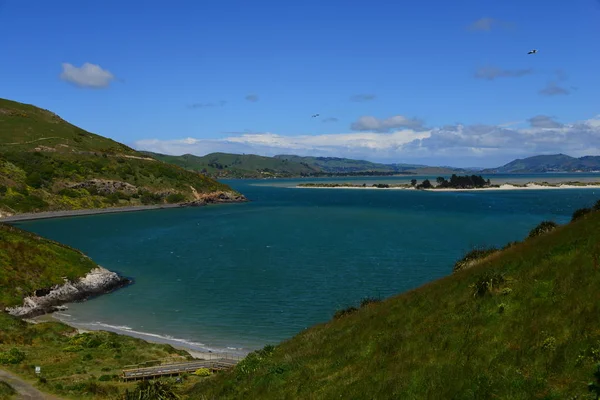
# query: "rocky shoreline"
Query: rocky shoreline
{"points": [[43, 301]]}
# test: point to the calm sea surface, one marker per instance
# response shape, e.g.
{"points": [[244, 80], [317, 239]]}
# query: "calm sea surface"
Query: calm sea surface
{"points": [[239, 276]]}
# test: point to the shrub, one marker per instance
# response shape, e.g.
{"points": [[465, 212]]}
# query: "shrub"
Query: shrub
{"points": [[542, 228], [105, 378], [73, 193], [596, 206], [202, 372], [175, 198], [486, 283], [151, 390], [254, 360], [510, 244], [12, 356], [344, 312], [472, 257], [580, 213], [594, 386], [368, 301], [6, 391]]}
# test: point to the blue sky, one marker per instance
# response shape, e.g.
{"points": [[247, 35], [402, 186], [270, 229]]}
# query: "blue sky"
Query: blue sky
{"points": [[423, 81]]}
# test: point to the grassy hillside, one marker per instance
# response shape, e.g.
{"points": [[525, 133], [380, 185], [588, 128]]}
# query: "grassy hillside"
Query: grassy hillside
{"points": [[549, 163], [520, 324], [43, 159], [76, 366], [336, 165], [29, 262], [224, 165]]}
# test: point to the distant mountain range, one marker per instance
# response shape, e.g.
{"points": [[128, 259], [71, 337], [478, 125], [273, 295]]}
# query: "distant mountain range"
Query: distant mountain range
{"points": [[548, 163], [225, 165]]}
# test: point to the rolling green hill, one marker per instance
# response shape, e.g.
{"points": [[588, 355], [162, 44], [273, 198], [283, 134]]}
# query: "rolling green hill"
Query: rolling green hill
{"points": [[549, 163], [225, 165], [49, 164], [521, 323]]}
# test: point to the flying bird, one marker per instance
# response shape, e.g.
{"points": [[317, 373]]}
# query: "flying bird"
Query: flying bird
{"points": [[532, 51], [315, 115]]}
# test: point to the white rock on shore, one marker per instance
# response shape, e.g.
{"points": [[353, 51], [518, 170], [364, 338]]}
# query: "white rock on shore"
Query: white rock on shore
{"points": [[97, 281]]}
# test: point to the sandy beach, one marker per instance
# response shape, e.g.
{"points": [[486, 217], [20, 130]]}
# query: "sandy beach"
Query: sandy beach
{"points": [[196, 352]]}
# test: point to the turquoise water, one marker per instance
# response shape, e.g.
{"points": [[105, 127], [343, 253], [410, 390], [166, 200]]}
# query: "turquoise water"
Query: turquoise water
{"points": [[240, 276]]}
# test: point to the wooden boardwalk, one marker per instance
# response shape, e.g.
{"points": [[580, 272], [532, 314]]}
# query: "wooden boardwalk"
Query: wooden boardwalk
{"points": [[177, 368]]}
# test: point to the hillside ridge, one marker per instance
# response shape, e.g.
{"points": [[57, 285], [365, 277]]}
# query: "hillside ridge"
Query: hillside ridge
{"points": [[49, 164]]}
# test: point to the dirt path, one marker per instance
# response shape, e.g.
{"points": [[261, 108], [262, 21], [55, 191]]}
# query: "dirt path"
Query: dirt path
{"points": [[24, 389]]}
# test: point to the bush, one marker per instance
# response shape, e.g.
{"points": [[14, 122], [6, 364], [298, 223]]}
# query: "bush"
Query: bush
{"points": [[13, 356], [151, 390], [486, 283], [368, 301], [472, 257], [344, 312], [202, 372], [580, 213], [542, 228], [6, 391], [175, 198], [596, 206]]}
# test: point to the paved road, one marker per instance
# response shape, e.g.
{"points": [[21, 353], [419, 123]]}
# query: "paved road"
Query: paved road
{"points": [[74, 213], [24, 389]]}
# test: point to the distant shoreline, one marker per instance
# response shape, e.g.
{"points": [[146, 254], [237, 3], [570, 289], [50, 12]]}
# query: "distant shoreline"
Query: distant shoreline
{"points": [[505, 186]]}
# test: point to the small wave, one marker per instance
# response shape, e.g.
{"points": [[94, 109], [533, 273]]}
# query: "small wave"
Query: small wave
{"points": [[130, 330], [62, 314], [151, 337]]}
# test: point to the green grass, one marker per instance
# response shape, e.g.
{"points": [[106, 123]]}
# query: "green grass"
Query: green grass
{"points": [[29, 262], [522, 324], [42, 156]]}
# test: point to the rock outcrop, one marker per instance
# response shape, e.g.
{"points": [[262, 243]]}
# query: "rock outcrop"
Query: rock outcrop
{"points": [[5, 214], [96, 282], [106, 187], [216, 197]]}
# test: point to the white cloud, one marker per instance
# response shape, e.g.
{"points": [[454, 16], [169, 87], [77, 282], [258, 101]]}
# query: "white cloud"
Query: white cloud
{"points": [[362, 97], [207, 105], [487, 24], [553, 89], [369, 123], [458, 145], [86, 76], [544, 121], [490, 73]]}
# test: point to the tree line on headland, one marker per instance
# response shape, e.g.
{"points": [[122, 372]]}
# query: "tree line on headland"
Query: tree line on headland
{"points": [[455, 182]]}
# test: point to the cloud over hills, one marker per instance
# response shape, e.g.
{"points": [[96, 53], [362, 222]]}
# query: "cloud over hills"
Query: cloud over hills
{"points": [[458, 145]]}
